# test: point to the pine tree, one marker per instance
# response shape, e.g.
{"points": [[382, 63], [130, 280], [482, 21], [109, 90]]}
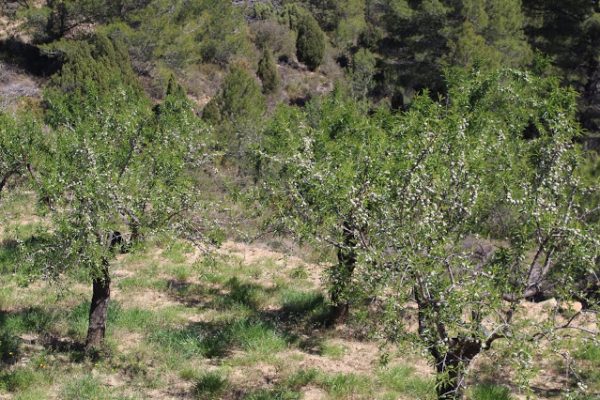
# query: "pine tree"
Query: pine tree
{"points": [[491, 35], [568, 32], [423, 38]]}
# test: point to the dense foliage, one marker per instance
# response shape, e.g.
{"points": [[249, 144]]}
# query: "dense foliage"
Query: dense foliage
{"points": [[311, 42], [20, 138], [408, 201]]}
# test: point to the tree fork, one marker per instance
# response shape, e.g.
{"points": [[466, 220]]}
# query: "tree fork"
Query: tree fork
{"points": [[452, 365]]}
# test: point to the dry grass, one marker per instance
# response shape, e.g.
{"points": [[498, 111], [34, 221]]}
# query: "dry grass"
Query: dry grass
{"points": [[245, 324]]}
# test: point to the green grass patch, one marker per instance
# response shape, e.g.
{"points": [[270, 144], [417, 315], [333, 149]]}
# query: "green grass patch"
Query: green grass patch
{"points": [[85, 388], [186, 343], [31, 319], [32, 393], [178, 252], [402, 380], [210, 385], [142, 282], [274, 394], [589, 352], [22, 379], [332, 350], [181, 272], [490, 392], [299, 273], [215, 340], [588, 355], [301, 302], [341, 386], [257, 337], [302, 378]]}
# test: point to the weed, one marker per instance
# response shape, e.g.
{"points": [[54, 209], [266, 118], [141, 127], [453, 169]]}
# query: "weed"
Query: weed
{"points": [[401, 379], [210, 385], [490, 392], [85, 388]]}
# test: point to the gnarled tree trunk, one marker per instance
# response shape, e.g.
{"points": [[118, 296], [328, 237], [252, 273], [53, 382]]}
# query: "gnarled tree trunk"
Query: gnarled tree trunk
{"points": [[452, 365], [451, 361], [342, 275], [98, 309]]}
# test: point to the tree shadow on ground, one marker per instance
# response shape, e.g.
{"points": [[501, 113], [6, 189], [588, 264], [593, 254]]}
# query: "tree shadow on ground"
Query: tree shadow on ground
{"points": [[28, 57], [501, 378], [15, 325], [300, 321]]}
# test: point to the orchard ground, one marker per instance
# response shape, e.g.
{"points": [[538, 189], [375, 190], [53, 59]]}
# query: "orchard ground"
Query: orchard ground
{"points": [[247, 322]]}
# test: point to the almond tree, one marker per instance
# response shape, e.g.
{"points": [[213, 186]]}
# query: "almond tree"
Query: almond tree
{"points": [[459, 167], [453, 213], [320, 168], [117, 170]]}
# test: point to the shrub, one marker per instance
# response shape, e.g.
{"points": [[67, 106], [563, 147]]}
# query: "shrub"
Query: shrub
{"points": [[273, 35], [267, 72], [240, 98]]}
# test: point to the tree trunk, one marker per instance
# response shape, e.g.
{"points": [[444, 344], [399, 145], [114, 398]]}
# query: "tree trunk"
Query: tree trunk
{"points": [[5, 179], [342, 275], [98, 309], [452, 366], [451, 362], [136, 235], [449, 382]]}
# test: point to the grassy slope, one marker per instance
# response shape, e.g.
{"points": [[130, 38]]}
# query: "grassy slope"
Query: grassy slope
{"points": [[245, 324]]}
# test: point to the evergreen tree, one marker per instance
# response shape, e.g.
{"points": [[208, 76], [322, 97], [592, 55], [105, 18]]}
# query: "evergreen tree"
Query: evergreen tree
{"points": [[344, 19], [237, 110], [363, 69], [267, 72], [310, 45], [568, 32], [491, 35], [239, 99], [423, 38]]}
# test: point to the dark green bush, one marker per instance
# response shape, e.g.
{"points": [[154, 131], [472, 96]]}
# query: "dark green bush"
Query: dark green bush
{"points": [[9, 348], [239, 99], [267, 72], [310, 45]]}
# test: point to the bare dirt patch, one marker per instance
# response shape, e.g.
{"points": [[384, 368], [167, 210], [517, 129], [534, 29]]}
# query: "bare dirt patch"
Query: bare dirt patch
{"points": [[147, 299], [312, 393], [358, 357], [255, 253]]}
